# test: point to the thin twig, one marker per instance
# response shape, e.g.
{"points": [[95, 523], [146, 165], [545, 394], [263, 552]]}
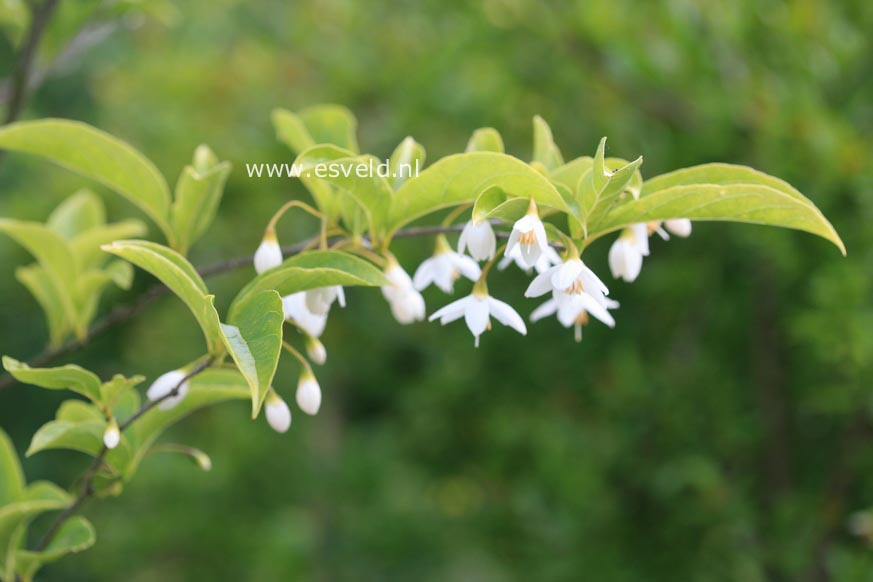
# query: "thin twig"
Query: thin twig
{"points": [[86, 491], [124, 313]]}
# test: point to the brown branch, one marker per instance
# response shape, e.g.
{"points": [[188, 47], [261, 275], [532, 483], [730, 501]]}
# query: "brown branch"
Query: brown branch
{"points": [[86, 491], [124, 313]]}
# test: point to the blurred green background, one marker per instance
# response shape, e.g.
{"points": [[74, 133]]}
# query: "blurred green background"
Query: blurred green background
{"points": [[719, 432]]}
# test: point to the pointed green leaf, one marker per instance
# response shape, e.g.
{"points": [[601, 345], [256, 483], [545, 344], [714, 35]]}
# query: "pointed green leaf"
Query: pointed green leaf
{"points": [[545, 150], [197, 197], [98, 155], [254, 340], [570, 173], [69, 377], [11, 476], [322, 191], [86, 246], [85, 436], [78, 213], [485, 139], [74, 536], [406, 161], [321, 124], [38, 498], [46, 293], [174, 271]]}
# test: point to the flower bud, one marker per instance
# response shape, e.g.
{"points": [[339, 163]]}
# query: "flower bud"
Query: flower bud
{"points": [[679, 226], [269, 254], [316, 350], [277, 412], [165, 384], [308, 393], [111, 436]]}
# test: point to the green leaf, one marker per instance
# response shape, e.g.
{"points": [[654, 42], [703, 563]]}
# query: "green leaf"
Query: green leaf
{"points": [[254, 340], [322, 191], [197, 197], [50, 299], [78, 411], [311, 270], [38, 498], [74, 536], [211, 386], [460, 178], [86, 246], [84, 436], [545, 150], [570, 173], [78, 213], [604, 182], [98, 155], [69, 377], [321, 124], [11, 475], [118, 385], [406, 161], [485, 139], [174, 271]]}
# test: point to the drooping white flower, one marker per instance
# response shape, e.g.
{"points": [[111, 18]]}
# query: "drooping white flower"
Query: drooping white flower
{"points": [[477, 309], [627, 252], [111, 436], [296, 312], [444, 268], [572, 277], [479, 238], [277, 412], [679, 226], [549, 258], [529, 234], [308, 393], [320, 299], [407, 304], [165, 384], [315, 350], [269, 254], [573, 309]]}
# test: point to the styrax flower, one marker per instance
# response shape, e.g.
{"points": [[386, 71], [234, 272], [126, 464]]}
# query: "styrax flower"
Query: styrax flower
{"points": [[444, 268], [573, 309], [549, 258], [269, 254], [308, 393], [315, 350], [111, 436], [476, 310], [529, 234], [627, 252], [407, 304], [277, 412], [679, 226], [320, 299], [572, 277], [296, 312], [479, 238], [165, 384]]}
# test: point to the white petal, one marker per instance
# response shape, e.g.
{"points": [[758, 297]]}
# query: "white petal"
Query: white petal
{"points": [[633, 261], [505, 314], [467, 267], [597, 310], [424, 274], [462, 240], [591, 281], [340, 296], [546, 309], [616, 258], [641, 237], [541, 284], [268, 256], [450, 312], [476, 315], [530, 254], [565, 275], [512, 242], [540, 232]]}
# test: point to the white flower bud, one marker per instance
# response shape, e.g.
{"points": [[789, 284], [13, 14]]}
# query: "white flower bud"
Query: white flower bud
{"points": [[269, 254], [479, 238], [277, 412], [316, 350], [679, 226], [111, 436], [407, 304], [164, 385], [308, 393]]}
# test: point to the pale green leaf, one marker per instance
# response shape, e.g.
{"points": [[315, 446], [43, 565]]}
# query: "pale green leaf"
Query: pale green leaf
{"points": [[11, 476], [197, 197], [69, 377], [322, 191], [485, 139], [406, 161], [98, 155], [49, 297], [78, 213], [86, 246], [321, 124], [74, 536], [38, 498], [545, 151], [84, 436]]}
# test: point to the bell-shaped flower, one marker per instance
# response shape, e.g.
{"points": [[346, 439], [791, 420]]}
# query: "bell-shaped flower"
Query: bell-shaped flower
{"points": [[269, 254], [529, 234], [407, 304], [679, 226], [277, 412], [296, 312], [169, 388], [572, 277], [479, 238], [627, 252], [319, 300], [548, 259], [308, 393], [444, 268], [315, 350], [111, 436], [572, 309], [477, 309]]}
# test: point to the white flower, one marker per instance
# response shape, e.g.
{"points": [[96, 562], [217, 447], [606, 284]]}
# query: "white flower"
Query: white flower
{"points": [[277, 412], [444, 268], [573, 309], [627, 252], [315, 350], [111, 436], [679, 226], [308, 393], [572, 277], [476, 310], [320, 299], [407, 304], [296, 312], [269, 254], [549, 258], [529, 234], [479, 238], [164, 385]]}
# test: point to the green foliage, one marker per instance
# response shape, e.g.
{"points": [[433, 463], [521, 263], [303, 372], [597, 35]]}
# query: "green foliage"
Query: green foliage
{"points": [[197, 196]]}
